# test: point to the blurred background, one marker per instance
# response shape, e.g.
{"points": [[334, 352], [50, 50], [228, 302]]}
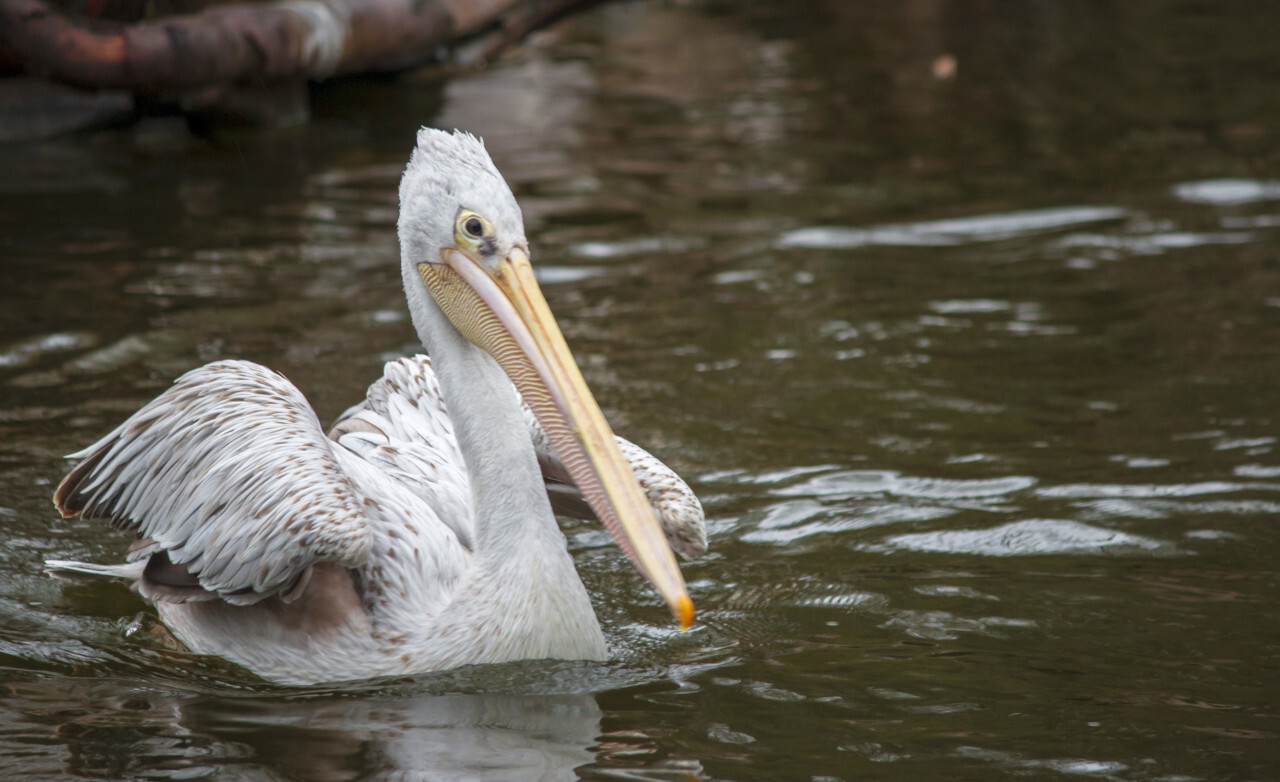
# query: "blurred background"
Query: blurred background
{"points": [[963, 318]]}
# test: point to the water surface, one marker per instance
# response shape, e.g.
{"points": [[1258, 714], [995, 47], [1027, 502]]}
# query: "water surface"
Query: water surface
{"points": [[963, 319]]}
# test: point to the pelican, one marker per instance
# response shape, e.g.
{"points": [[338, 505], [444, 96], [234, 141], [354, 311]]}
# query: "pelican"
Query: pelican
{"points": [[418, 534]]}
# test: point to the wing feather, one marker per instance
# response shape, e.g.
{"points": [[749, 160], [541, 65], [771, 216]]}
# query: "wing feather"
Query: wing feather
{"points": [[229, 472], [403, 430]]}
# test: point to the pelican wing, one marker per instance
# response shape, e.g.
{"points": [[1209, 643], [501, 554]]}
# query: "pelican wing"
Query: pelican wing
{"points": [[403, 429], [229, 476]]}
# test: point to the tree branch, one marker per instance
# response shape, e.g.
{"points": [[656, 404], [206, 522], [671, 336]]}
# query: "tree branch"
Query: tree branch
{"points": [[226, 44]]}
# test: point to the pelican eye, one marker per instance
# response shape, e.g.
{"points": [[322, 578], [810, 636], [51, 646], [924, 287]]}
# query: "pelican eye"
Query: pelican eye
{"points": [[473, 227]]}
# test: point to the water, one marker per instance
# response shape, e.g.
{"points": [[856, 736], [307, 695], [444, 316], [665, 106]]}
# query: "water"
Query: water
{"points": [[972, 360]]}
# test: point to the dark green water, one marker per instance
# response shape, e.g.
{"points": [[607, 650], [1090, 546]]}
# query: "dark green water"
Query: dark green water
{"points": [[976, 371]]}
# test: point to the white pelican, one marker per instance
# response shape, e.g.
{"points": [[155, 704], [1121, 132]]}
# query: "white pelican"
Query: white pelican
{"points": [[419, 534]]}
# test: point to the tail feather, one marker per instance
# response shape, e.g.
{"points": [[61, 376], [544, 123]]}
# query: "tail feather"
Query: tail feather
{"points": [[154, 578], [79, 571]]}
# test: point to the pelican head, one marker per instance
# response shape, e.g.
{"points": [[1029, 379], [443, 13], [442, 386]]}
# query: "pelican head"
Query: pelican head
{"points": [[465, 256]]}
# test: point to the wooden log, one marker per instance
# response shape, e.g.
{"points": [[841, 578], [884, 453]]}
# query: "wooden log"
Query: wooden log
{"points": [[227, 44]]}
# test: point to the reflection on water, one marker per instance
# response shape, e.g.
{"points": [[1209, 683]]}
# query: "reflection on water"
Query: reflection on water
{"points": [[385, 737], [973, 366], [423, 737]]}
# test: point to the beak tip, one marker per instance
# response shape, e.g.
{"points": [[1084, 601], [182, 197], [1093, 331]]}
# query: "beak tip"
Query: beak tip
{"points": [[684, 611]]}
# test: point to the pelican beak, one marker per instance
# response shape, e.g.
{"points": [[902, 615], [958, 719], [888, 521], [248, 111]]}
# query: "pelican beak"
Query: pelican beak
{"points": [[502, 310]]}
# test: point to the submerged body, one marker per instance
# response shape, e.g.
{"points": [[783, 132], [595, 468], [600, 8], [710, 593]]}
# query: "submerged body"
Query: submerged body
{"points": [[419, 534]]}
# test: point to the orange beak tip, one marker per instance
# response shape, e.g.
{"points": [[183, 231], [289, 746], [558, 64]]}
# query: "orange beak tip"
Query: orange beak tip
{"points": [[684, 611]]}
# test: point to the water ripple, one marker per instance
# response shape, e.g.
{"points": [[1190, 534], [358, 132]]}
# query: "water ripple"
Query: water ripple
{"points": [[1147, 490], [945, 626], [950, 590], [1161, 509], [28, 351], [1227, 192], [640, 246], [1155, 243], [969, 306], [962, 230], [787, 523], [1258, 471], [851, 483], [1024, 538], [1062, 765], [552, 275]]}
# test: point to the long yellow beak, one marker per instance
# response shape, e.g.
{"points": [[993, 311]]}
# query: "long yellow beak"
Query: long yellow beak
{"points": [[503, 312]]}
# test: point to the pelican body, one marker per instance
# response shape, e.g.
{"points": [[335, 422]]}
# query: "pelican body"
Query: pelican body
{"points": [[419, 533]]}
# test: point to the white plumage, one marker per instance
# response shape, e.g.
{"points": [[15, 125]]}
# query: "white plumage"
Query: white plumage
{"points": [[418, 534]]}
